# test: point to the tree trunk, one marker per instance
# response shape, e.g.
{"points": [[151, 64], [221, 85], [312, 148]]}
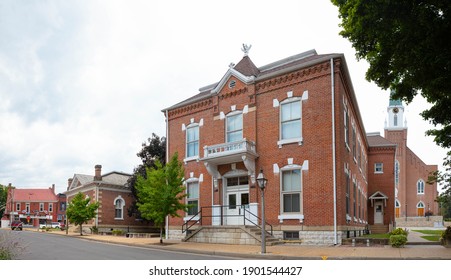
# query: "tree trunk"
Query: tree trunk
{"points": [[161, 234], [81, 229]]}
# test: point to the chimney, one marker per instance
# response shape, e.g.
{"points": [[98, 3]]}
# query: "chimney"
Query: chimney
{"points": [[69, 182], [98, 172], [53, 188]]}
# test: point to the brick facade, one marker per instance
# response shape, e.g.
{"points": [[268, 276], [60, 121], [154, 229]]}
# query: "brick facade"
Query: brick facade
{"points": [[114, 196], [332, 152]]}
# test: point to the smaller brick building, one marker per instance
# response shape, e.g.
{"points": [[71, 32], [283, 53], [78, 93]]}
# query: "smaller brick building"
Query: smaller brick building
{"points": [[32, 206], [114, 196]]}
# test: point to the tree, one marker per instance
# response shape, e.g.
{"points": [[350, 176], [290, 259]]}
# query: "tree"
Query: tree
{"points": [[161, 192], [3, 194], [154, 150], [407, 46], [443, 178], [80, 210]]}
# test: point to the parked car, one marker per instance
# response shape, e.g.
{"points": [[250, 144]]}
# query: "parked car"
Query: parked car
{"points": [[53, 225], [16, 225]]}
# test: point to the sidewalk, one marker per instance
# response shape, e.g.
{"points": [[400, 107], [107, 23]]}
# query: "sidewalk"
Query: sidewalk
{"points": [[284, 251]]}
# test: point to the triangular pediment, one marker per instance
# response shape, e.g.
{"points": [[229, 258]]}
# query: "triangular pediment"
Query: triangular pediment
{"points": [[378, 195], [228, 75], [245, 71]]}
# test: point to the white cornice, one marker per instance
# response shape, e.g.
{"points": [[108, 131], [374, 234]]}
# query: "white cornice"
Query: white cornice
{"points": [[238, 75]]}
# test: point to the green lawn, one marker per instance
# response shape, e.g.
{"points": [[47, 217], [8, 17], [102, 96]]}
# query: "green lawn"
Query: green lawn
{"points": [[431, 235], [377, 235]]}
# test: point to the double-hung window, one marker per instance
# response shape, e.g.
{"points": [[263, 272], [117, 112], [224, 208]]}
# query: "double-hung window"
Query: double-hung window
{"points": [[192, 141], [290, 120], [234, 127], [193, 198], [378, 167], [119, 208], [291, 191]]}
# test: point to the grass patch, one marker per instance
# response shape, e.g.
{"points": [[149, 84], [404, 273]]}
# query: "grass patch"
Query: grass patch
{"points": [[377, 235], [430, 231], [431, 235]]}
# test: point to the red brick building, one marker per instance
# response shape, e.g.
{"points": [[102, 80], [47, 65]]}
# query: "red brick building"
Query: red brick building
{"points": [[414, 196], [298, 120], [32, 206], [114, 196]]}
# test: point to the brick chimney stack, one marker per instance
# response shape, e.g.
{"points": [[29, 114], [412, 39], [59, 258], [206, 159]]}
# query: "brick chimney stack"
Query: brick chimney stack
{"points": [[98, 172], [53, 188]]}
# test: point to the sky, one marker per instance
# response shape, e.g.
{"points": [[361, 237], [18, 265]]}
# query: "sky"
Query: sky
{"points": [[85, 82]]}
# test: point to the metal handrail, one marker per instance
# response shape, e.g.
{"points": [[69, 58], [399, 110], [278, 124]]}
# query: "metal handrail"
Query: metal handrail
{"points": [[186, 224], [258, 224], [192, 221]]}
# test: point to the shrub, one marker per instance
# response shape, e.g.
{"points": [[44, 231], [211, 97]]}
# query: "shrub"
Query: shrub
{"points": [[398, 241], [117, 232], [399, 231], [446, 234], [94, 230]]}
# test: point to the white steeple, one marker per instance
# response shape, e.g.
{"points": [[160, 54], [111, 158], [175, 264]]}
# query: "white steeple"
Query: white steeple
{"points": [[395, 112]]}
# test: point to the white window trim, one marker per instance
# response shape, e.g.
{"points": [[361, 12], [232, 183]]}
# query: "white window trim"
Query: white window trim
{"points": [[423, 187], [298, 140], [191, 181], [122, 210], [41, 207], [195, 157], [232, 114], [382, 167], [50, 207], [18, 206], [294, 215]]}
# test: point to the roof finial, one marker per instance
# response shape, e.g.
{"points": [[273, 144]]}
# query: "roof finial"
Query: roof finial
{"points": [[246, 49]]}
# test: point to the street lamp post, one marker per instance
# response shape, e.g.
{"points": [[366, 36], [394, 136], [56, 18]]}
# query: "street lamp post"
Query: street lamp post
{"points": [[261, 180]]}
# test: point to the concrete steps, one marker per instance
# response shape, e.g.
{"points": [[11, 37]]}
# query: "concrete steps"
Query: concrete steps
{"points": [[244, 235], [378, 228]]}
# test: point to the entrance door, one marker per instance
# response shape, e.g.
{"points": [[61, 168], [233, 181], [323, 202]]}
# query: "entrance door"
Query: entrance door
{"points": [[378, 212], [237, 202]]}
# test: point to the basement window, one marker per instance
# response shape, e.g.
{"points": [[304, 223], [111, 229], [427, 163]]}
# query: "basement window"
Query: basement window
{"points": [[291, 235]]}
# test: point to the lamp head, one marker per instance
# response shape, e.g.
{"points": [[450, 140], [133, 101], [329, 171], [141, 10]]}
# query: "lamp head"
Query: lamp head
{"points": [[261, 180]]}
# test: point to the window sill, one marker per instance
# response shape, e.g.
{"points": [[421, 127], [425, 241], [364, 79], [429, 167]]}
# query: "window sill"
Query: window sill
{"points": [[300, 141], [196, 158], [118, 219], [299, 217], [378, 172]]}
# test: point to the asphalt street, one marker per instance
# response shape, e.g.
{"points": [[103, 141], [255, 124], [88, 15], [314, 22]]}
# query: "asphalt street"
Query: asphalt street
{"points": [[41, 246]]}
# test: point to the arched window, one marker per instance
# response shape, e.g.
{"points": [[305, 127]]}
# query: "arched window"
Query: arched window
{"points": [[119, 204], [396, 172], [420, 187]]}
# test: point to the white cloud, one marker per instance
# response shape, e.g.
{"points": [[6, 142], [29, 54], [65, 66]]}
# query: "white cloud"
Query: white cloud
{"points": [[84, 82]]}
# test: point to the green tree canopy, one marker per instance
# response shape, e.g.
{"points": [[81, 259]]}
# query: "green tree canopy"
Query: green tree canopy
{"points": [[151, 151], [3, 194], [161, 192], [407, 46], [80, 210]]}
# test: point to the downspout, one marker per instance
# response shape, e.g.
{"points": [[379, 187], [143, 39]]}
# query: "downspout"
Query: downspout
{"points": [[167, 159], [334, 165]]}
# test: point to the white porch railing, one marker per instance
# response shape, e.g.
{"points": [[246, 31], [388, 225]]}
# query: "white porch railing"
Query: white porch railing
{"points": [[229, 148]]}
